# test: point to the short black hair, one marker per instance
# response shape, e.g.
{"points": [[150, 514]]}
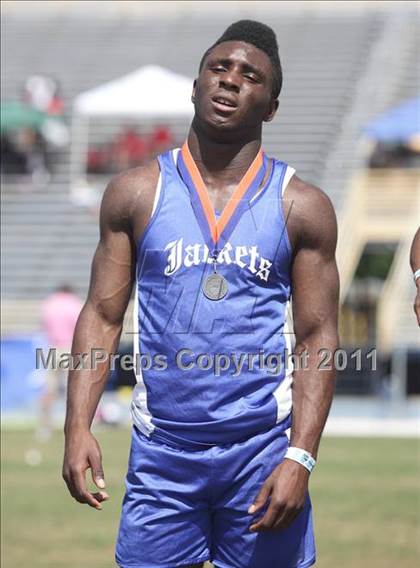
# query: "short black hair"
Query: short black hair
{"points": [[261, 36]]}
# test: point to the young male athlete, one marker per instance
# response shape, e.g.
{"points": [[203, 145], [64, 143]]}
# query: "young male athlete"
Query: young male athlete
{"points": [[201, 232], [415, 266]]}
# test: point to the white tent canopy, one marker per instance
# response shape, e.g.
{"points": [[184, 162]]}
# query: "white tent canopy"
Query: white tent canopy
{"points": [[151, 91]]}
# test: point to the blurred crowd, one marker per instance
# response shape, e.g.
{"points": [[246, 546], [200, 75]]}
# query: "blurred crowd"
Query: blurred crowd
{"points": [[129, 149], [32, 128], [396, 154]]}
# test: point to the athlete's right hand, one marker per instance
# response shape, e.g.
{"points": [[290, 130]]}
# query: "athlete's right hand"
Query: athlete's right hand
{"points": [[82, 452]]}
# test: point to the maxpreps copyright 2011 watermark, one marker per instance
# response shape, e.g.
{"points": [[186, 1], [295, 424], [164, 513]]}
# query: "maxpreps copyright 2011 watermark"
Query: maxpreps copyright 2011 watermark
{"points": [[234, 363]]}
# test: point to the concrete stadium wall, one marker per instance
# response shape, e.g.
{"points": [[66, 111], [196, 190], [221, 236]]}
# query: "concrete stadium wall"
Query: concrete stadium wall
{"points": [[145, 8]]}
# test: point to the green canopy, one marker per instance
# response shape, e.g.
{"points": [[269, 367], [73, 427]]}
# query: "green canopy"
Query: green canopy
{"points": [[15, 115]]}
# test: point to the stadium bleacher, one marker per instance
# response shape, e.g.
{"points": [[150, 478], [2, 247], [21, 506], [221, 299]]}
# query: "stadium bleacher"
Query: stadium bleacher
{"points": [[327, 62]]}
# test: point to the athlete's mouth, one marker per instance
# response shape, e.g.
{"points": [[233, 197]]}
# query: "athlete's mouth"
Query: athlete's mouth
{"points": [[224, 102]]}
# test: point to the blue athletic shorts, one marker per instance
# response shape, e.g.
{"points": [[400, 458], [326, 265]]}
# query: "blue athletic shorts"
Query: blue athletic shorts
{"points": [[184, 505]]}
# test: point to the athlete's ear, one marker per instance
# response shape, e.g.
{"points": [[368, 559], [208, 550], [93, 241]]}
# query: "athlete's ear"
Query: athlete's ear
{"points": [[274, 105], [193, 91]]}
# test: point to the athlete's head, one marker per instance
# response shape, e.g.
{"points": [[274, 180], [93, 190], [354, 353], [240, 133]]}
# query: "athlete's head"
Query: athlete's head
{"points": [[259, 35], [240, 78]]}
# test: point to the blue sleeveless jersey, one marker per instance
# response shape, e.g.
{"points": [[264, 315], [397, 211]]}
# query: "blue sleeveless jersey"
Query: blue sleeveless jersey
{"points": [[212, 372]]}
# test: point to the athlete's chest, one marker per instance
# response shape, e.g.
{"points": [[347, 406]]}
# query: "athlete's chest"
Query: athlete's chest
{"points": [[174, 245]]}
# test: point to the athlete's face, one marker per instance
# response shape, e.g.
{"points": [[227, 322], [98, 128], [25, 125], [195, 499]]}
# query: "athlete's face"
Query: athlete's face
{"points": [[234, 88]]}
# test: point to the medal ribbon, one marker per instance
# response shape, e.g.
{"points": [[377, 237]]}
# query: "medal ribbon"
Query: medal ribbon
{"points": [[217, 232]]}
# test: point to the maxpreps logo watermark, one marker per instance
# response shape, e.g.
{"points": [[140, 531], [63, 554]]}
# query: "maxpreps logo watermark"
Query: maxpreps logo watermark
{"points": [[185, 360], [234, 363]]}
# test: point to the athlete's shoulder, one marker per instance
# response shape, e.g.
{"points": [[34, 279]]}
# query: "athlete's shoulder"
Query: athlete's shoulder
{"points": [[308, 196], [129, 184], [127, 191], [311, 214]]}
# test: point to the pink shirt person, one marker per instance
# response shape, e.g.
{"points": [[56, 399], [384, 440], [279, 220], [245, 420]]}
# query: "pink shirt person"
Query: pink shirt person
{"points": [[59, 316]]}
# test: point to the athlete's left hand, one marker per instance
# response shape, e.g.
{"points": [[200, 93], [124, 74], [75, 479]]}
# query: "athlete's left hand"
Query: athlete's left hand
{"points": [[417, 303], [286, 488]]}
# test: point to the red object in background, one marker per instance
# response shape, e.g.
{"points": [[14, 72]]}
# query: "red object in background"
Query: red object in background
{"points": [[95, 160], [134, 144], [129, 149], [56, 107], [160, 139]]}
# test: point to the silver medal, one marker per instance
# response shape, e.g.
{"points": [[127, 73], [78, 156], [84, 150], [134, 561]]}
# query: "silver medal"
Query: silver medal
{"points": [[215, 287]]}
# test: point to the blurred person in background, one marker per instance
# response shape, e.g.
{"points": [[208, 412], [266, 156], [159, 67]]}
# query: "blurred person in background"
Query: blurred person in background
{"points": [[43, 93], [32, 130], [97, 159], [23, 152], [415, 266], [59, 315], [33, 146], [13, 160]]}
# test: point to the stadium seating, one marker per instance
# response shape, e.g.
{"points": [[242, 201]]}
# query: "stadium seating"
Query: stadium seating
{"points": [[327, 62]]}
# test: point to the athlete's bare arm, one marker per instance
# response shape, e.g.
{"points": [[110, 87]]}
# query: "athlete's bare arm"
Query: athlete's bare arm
{"points": [[312, 229], [125, 210], [415, 265]]}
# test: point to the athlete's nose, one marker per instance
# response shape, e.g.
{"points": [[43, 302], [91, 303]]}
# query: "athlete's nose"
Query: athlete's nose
{"points": [[230, 81]]}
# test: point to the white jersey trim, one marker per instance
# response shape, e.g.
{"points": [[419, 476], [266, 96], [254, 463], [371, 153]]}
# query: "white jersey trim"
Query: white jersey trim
{"points": [[140, 412], [290, 172], [287, 177], [157, 194], [175, 153], [283, 393]]}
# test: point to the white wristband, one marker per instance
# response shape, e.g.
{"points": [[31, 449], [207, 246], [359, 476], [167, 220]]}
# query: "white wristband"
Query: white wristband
{"points": [[416, 275], [301, 456]]}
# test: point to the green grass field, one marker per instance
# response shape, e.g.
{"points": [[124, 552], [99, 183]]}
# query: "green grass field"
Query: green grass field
{"points": [[365, 494]]}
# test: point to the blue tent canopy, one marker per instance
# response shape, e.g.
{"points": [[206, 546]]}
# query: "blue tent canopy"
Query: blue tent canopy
{"points": [[398, 124]]}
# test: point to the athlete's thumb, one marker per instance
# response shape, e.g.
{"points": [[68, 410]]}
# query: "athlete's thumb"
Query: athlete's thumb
{"points": [[261, 497], [97, 470]]}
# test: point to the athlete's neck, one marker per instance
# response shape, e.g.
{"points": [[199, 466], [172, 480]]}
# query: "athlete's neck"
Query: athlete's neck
{"points": [[220, 162]]}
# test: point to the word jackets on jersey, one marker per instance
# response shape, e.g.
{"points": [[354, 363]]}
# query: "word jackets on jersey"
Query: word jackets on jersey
{"points": [[176, 397]]}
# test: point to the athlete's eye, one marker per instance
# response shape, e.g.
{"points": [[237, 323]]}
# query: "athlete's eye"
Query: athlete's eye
{"points": [[252, 78]]}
